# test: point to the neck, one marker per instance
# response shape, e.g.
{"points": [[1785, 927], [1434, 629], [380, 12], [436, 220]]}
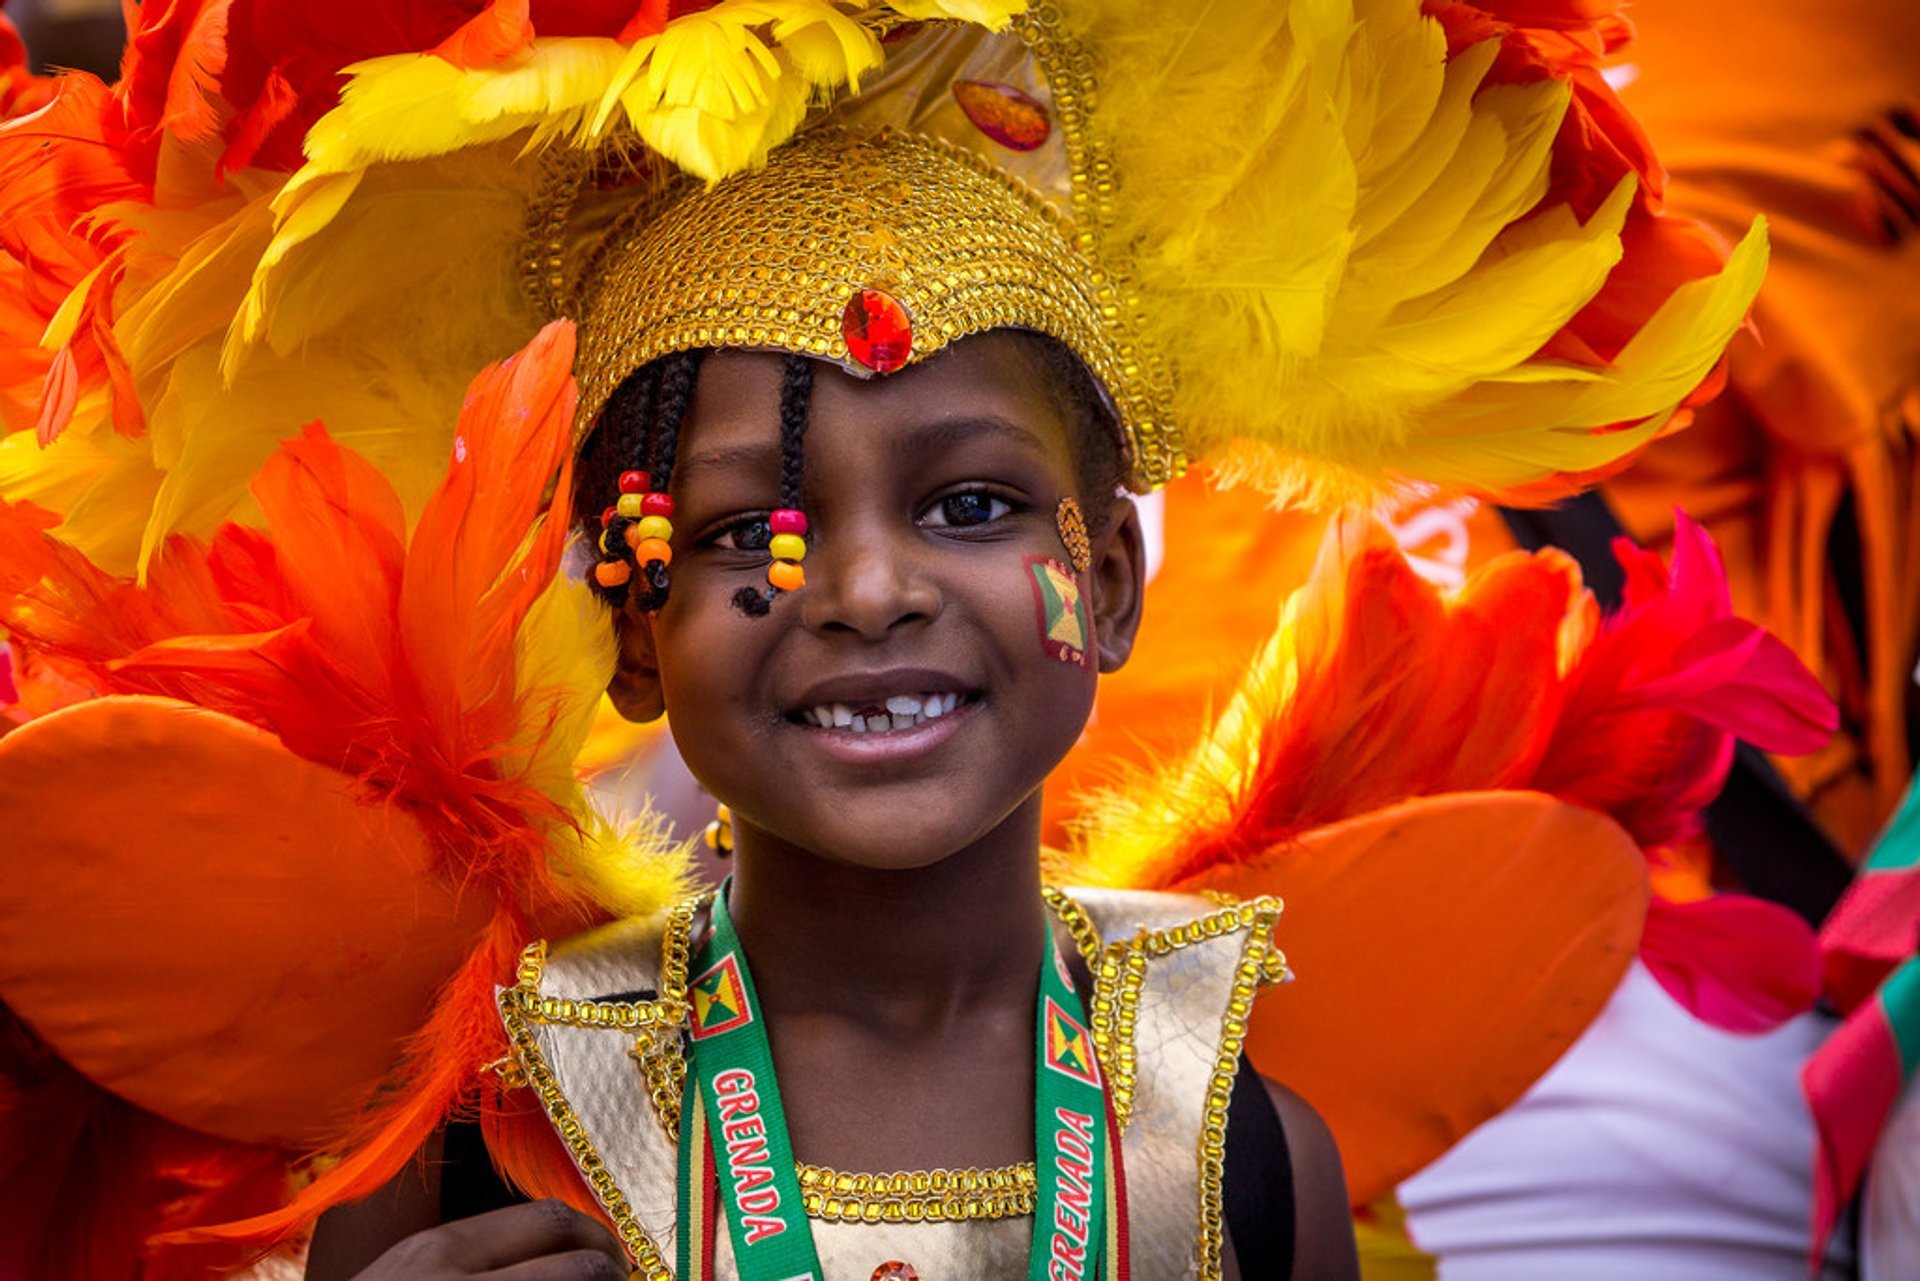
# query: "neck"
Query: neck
{"points": [[896, 946]]}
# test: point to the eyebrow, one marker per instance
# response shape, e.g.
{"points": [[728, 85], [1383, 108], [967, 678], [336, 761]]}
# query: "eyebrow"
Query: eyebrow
{"points": [[954, 431], [729, 457]]}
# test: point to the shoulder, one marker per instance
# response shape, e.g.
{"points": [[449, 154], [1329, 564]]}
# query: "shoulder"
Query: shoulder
{"points": [[1324, 1243]]}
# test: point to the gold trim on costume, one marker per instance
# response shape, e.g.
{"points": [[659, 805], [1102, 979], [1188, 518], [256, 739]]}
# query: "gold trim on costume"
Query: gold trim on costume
{"points": [[1007, 1192], [1121, 970], [648, 1261]]}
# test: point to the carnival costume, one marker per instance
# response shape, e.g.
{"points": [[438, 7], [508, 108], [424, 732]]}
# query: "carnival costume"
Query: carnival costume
{"points": [[294, 390]]}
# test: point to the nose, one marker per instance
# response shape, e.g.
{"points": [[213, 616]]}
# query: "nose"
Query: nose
{"points": [[867, 582]]}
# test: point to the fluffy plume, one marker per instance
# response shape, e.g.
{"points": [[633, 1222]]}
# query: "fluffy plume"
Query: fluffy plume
{"points": [[447, 668], [1374, 687], [1443, 228]]}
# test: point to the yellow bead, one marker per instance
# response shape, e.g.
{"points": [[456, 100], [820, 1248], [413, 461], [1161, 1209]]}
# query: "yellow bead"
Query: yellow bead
{"points": [[786, 575], [656, 527], [652, 549], [629, 505], [788, 547]]}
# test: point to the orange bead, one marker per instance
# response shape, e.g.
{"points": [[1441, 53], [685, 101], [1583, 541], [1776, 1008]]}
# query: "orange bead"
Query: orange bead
{"points": [[648, 550], [786, 575], [612, 573]]}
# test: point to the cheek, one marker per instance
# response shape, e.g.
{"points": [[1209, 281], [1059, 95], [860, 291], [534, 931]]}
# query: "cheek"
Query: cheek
{"points": [[1061, 623]]}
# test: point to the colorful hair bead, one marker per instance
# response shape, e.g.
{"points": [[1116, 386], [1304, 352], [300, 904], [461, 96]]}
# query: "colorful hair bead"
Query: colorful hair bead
{"points": [[630, 506], [612, 573], [657, 505], [635, 482], [788, 547]]}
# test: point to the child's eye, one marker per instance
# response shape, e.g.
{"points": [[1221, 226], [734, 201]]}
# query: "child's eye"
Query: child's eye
{"points": [[749, 534], [969, 507]]}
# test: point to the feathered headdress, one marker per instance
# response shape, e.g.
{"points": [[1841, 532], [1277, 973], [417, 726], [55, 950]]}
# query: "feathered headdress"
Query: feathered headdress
{"points": [[278, 495]]}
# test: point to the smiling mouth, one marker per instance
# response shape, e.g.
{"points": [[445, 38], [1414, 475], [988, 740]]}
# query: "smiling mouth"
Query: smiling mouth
{"points": [[885, 716]]}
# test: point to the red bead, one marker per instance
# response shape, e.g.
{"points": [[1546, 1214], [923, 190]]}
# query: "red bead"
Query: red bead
{"points": [[878, 330], [895, 1270], [657, 505], [635, 482], [1015, 120], [788, 521], [606, 517]]}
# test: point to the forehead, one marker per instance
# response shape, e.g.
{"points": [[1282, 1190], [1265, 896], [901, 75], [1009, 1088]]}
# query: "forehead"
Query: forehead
{"points": [[980, 380]]}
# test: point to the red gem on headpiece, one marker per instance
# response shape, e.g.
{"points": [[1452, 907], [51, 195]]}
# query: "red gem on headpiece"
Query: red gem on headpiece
{"points": [[1015, 120], [878, 331], [635, 482]]}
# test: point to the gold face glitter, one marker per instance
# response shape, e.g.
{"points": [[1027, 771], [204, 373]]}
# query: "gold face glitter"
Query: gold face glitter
{"points": [[1073, 535]]}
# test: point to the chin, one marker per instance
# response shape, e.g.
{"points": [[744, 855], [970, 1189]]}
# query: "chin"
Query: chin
{"points": [[877, 837]]}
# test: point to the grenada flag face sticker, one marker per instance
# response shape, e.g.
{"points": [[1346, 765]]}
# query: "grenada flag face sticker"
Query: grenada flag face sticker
{"points": [[1060, 611]]}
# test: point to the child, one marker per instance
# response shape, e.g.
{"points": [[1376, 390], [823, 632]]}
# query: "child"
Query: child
{"points": [[886, 884], [855, 399]]}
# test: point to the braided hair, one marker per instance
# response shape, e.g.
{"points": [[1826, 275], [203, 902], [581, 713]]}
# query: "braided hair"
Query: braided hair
{"points": [[796, 397], [640, 428]]}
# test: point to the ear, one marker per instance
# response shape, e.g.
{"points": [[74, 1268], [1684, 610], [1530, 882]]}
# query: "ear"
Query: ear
{"points": [[635, 687], [1118, 583]]}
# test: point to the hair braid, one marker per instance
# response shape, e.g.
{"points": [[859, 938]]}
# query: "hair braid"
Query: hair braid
{"points": [[674, 393], [796, 395]]}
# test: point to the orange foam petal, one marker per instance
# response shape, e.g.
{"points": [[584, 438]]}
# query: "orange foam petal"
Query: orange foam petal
{"points": [[158, 922], [1447, 952]]}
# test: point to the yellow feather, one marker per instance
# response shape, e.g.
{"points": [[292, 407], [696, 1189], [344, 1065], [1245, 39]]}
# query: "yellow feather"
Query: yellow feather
{"points": [[1372, 216], [92, 478], [1497, 427], [629, 869], [414, 106], [66, 317], [563, 658], [302, 210]]}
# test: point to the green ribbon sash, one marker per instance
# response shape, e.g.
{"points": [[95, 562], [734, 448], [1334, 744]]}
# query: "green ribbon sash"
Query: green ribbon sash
{"points": [[736, 1158]]}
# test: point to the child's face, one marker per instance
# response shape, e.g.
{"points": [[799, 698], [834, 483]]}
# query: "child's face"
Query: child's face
{"points": [[935, 574]]}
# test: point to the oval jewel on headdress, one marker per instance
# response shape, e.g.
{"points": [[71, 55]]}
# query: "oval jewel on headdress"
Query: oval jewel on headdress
{"points": [[1015, 120], [878, 330]]}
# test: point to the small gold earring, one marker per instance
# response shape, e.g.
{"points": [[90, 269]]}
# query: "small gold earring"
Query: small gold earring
{"points": [[1073, 535]]}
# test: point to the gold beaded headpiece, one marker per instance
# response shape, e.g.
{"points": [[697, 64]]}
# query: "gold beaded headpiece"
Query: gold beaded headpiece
{"points": [[868, 250]]}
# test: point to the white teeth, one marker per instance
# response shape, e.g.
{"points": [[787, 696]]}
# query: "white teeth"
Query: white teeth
{"points": [[903, 711]]}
